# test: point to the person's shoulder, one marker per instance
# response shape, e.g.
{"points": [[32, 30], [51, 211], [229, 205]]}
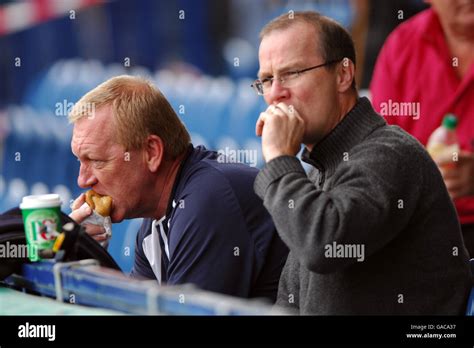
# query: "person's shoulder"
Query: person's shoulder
{"points": [[416, 24], [409, 31], [215, 171], [397, 144], [209, 185], [388, 155]]}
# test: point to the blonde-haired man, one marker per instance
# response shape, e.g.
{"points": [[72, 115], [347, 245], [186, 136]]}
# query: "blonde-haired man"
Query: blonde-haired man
{"points": [[203, 223]]}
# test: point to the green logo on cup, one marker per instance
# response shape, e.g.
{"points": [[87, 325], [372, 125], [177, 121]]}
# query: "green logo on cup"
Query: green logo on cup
{"points": [[42, 222]]}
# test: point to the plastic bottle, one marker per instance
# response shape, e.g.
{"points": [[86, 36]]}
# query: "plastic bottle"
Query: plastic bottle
{"points": [[443, 144]]}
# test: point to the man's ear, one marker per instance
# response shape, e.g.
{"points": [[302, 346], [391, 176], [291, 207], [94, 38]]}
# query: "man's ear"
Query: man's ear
{"points": [[345, 75], [154, 152]]}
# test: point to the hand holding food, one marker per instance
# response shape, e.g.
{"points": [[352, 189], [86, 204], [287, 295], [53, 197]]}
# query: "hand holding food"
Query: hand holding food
{"points": [[92, 210]]}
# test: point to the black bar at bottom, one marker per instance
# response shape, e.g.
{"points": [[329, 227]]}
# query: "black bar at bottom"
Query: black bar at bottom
{"points": [[291, 330]]}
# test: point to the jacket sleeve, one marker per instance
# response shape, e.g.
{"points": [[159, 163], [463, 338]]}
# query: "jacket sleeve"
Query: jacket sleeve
{"points": [[368, 202]]}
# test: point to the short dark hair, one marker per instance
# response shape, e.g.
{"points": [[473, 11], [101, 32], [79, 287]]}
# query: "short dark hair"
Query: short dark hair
{"points": [[335, 41]]}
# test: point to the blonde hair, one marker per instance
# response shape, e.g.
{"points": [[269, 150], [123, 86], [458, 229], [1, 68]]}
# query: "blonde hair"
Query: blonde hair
{"points": [[139, 109]]}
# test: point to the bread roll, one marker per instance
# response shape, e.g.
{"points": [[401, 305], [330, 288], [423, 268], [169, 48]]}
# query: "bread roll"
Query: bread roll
{"points": [[101, 204]]}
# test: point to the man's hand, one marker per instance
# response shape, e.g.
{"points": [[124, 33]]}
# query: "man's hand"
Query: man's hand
{"points": [[458, 175], [80, 212], [281, 129]]}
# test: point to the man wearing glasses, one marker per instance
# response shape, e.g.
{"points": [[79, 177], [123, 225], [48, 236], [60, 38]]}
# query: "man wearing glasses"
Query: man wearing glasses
{"points": [[371, 229]]}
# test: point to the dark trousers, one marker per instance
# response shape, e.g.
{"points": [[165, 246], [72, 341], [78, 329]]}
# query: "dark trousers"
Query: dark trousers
{"points": [[468, 235]]}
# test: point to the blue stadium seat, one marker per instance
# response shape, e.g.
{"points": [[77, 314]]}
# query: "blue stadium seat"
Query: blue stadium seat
{"points": [[198, 139], [16, 189], [2, 193]]}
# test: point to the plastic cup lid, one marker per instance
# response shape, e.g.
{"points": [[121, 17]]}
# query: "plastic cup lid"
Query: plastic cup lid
{"points": [[41, 201]]}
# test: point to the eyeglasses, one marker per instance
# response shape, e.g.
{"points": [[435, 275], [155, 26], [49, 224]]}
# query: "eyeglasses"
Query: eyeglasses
{"points": [[286, 79]]}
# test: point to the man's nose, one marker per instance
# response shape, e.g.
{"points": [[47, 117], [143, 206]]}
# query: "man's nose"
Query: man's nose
{"points": [[86, 178], [277, 93]]}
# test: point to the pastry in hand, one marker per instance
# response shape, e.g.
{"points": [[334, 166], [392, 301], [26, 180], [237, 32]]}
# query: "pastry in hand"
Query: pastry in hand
{"points": [[101, 204]]}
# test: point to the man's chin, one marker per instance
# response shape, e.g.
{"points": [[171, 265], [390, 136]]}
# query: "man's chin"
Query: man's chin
{"points": [[116, 218]]}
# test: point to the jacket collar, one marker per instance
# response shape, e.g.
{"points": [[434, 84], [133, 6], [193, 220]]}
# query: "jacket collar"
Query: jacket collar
{"points": [[353, 129]]}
